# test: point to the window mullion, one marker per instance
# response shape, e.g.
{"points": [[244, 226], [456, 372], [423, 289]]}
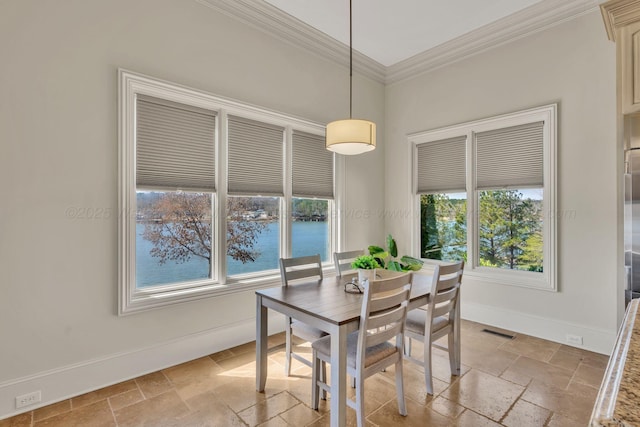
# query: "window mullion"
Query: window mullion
{"points": [[286, 202], [472, 202], [222, 176]]}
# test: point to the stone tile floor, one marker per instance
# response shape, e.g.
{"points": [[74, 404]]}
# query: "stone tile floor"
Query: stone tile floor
{"points": [[519, 382]]}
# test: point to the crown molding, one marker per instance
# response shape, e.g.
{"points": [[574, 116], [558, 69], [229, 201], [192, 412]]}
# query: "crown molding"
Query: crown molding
{"points": [[265, 17], [618, 13], [533, 19]]}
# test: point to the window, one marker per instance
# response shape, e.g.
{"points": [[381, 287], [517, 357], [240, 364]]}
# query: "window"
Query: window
{"points": [[213, 192], [312, 189], [485, 193]]}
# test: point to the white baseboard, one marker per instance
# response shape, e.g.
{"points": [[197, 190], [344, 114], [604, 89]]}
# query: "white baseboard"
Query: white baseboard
{"points": [[594, 339], [73, 380]]}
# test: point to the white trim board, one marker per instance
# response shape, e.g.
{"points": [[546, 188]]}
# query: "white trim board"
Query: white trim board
{"points": [[79, 378], [594, 339], [538, 17]]}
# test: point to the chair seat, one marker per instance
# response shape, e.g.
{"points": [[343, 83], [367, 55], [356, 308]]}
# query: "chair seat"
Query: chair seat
{"points": [[306, 332], [416, 322], [373, 354]]}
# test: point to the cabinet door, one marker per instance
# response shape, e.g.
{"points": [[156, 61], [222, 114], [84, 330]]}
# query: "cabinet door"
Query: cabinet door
{"points": [[629, 55]]}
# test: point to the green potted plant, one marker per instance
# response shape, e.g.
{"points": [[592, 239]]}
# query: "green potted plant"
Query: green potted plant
{"points": [[366, 266], [387, 258]]}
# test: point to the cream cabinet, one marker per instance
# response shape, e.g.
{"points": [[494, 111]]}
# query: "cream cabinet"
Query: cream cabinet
{"points": [[622, 20]]}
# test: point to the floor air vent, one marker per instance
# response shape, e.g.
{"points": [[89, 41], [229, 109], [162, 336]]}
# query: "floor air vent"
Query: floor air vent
{"points": [[500, 334]]}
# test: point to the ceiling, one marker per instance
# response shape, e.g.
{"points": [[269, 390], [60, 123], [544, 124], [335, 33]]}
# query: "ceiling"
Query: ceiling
{"points": [[395, 40], [391, 31]]}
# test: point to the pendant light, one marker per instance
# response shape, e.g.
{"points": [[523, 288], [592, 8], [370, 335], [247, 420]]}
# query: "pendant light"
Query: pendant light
{"points": [[351, 136]]}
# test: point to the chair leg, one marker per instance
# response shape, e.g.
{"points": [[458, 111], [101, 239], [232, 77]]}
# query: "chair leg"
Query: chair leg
{"points": [[402, 407], [453, 362], [359, 401], [288, 344], [315, 372], [428, 378], [407, 346], [323, 372]]}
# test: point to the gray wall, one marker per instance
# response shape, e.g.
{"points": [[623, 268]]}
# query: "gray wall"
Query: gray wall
{"points": [[572, 64], [58, 149]]}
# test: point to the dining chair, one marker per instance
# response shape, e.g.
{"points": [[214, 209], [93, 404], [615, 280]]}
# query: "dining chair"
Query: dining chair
{"points": [[437, 320], [292, 270], [382, 318], [342, 261]]}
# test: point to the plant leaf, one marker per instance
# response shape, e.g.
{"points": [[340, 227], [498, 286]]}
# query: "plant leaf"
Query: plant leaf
{"points": [[409, 260], [391, 245], [374, 250], [394, 266]]}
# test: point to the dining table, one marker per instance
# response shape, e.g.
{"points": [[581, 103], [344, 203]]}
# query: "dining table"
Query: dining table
{"points": [[324, 304]]}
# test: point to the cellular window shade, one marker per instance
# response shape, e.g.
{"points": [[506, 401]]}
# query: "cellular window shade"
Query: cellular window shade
{"points": [[255, 157], [510, 157], [312, 170], [442, 166], [175, 147]]}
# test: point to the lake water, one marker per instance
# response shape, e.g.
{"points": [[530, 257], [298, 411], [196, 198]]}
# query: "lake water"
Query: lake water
{"points": [[308, 238]]}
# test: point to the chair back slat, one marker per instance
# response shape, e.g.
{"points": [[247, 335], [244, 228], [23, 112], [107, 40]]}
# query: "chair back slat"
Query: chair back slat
{"points": [[444, 309], [387, 300], [384, 310], [385, 318], [445, 290], [448, 283], [383, 335], [343, 260], [300, 268], [446, 295]]}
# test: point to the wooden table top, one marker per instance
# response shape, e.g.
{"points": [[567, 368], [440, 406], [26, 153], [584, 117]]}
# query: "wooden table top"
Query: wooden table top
{"points": [[327, 299]]}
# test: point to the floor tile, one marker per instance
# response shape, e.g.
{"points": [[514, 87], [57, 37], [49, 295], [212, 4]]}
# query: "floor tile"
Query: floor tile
{"points": [[163, 409], [197, 377], [417, 415], [153, 384], [446, 407], [485, 394], [575, 402], [524, 413], [524, 369], [95, 415], [125, 399], [104, 393], [51, 410], [300, 415], [22, 420], [589, 375], [534, 348], [269, 408], [472, 419]]}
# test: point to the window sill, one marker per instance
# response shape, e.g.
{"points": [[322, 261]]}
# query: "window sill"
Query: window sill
{"points": [[522, 279], [145, 300]]}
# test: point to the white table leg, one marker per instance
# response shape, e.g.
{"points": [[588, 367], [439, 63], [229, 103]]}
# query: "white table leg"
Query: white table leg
{"points": [[339, 377], [261, 344]]}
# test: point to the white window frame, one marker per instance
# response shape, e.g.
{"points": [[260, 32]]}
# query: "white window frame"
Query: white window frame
{"points": [[131, 299], [547, 280]]}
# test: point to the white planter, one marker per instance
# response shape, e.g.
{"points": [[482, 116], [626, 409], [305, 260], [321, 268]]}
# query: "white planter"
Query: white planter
{"points": [[366, 275]]}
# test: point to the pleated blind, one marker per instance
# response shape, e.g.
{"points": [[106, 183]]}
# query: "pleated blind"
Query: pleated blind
{"points": [[255, 154], [312, 167], [510, 157], [442, 166], [174, 146]]}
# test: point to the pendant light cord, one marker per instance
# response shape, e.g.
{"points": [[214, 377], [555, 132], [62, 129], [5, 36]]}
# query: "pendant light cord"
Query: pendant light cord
{"points": [[350, 59]]}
